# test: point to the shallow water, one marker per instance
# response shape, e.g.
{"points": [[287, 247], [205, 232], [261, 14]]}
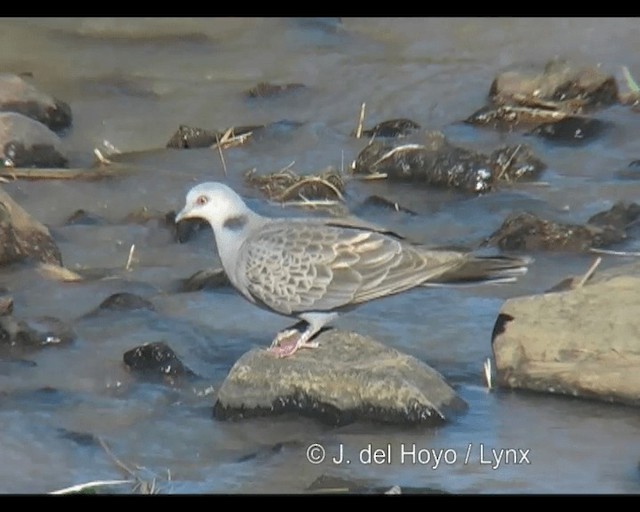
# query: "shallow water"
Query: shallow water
{"points": [[133, 82]]}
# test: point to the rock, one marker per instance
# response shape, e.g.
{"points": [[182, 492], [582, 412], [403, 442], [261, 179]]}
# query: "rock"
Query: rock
{"points": [[156, 360], [380, 202], [28, 143], [269, 90], [349, 377], [620, 216], [6, 305], [571, 130], [524, 231], [392, 128], [569, 88], [188, 137], [84, 218], [437, 162], [551, 102], [33, 333], [17, 95], [125, 302], [23, 237], [582, 342], [207, 279]]}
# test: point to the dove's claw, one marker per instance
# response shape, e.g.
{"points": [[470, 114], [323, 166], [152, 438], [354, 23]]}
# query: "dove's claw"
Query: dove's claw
{"points": [[289, 341]]}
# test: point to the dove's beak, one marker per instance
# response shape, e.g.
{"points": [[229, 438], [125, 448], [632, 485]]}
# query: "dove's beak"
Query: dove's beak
{"points": [[182, 214]]}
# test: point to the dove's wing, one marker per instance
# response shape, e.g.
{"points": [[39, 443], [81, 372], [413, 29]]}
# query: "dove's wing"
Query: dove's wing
{"points": [[294, 267]]}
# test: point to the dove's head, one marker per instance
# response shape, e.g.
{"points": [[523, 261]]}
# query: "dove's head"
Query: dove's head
{"points": [[214, 202]]}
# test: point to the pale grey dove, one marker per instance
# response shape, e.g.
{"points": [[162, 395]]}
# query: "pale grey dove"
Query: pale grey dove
{"points": [[312, 268]]}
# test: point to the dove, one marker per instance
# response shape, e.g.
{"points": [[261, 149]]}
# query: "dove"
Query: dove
{"points": [[313, 269]]}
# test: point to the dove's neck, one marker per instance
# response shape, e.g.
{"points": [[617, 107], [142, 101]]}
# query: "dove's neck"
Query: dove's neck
{"points": [[231, 233]]}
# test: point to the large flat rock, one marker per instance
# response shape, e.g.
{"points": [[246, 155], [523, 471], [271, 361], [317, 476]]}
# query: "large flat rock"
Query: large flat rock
{"points": [[348, 377], [581, 342]]}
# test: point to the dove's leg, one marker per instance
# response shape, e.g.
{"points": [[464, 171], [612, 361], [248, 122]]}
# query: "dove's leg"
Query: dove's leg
{"points": [[287, 342]]}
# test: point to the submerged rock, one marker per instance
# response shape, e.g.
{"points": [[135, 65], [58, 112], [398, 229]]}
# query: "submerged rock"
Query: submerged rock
{"points": [[349, 377], [527, 232], [581, 342], [392, 128], [33, 333], [18, 95], [156, 360], [125, 302], [84, 218], [207, 279], [270, 90], [381, 202], [187, 137], [28, 143], [23, 237], [571, 130], [439, 163]]}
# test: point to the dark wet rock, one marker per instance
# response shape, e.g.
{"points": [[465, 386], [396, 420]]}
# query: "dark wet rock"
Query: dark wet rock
{"points": [[551, 101], [187, 137], [186, 228], [28, 143], [526, 231], [571, 130], [560, 84], [34, 333], [348, 378], [22, 237], [286, 185], [439, 163], [620, 216], [156, 360], [207, 279], [80, 438], [392, 128], [333, 484], [582, 342], [18, 95], [84, 218], [381, 202], [125, 302], [270, 90]]}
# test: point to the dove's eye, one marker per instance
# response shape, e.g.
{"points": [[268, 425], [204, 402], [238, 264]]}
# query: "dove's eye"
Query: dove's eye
{"points": [[202, 200]]}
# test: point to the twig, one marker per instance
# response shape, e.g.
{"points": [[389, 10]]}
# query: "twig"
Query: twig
{"points": [[487, 372], [116, 460], [90, 485], [613, 253], [101, 158], [508, 162], [130, 258], [374, 176], [224, 164], [587, 275], [313, 179], [360, 121]]}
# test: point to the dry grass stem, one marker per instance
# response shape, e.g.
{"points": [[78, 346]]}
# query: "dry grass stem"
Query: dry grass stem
{"points": [[130, 258], [589, 272], [360, 126]]}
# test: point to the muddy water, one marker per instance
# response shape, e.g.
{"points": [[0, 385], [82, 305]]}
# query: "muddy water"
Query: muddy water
{"points": [[133, 82]]}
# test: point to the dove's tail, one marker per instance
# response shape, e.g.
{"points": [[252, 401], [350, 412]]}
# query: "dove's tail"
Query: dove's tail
{"points": [[484, 269]]}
